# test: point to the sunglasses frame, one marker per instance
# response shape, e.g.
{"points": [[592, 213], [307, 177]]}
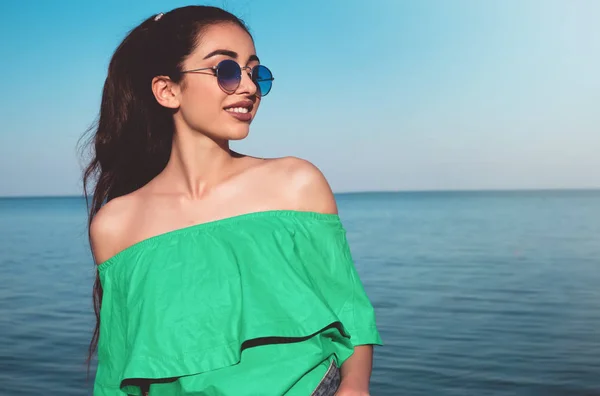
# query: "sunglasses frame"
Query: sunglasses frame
{"points": [[215, 72]]}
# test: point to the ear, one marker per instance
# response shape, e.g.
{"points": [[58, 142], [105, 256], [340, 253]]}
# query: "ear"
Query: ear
{"points": [[166, 92]]}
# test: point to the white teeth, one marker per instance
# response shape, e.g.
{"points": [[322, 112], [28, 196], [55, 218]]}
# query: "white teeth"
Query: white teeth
{"points": [[237, 109]]}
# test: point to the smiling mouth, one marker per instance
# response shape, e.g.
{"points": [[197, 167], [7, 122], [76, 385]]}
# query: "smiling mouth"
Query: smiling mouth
{"points": [[240, 107], [240, 110]]}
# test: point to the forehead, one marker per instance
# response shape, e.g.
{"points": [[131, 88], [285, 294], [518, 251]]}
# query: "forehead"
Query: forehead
{"points": [[228, 36]]}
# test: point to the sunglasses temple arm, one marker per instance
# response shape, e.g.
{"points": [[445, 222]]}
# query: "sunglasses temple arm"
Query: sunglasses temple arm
{"points": [[196, 70]]}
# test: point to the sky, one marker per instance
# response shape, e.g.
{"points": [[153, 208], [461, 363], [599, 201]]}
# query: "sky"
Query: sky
{"points": [[381, 95]]}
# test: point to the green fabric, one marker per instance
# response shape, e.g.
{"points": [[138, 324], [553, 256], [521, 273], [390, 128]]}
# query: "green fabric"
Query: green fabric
{"points": [[180, 305]]}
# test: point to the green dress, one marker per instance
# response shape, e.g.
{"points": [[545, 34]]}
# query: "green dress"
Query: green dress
{"points": [[255, 304]]}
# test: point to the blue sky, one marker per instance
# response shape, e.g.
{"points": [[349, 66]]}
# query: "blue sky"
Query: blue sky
{"points": [[380, 95]]}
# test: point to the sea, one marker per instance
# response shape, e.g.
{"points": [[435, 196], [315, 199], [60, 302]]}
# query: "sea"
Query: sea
{"points": [[475, 292]]}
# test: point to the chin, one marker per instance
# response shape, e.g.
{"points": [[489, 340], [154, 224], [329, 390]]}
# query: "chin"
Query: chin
{"points": [[238, 133]]}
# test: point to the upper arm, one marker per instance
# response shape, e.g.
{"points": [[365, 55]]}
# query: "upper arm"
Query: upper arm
{"points": [[106, 231], [309, 190]]}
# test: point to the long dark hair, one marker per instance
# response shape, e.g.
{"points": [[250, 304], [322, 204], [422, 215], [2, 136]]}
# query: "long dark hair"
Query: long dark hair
{"points": [[131, 141]]}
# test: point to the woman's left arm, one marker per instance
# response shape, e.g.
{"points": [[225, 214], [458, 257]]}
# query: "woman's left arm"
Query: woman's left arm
{"points": [[356, 372]]}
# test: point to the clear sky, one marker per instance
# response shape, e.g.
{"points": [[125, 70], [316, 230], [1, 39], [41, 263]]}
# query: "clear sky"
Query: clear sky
{"points": [[380, 94]]}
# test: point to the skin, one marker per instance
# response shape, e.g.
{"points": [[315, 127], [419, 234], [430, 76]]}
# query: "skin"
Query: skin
{"points": [[205, 180]]}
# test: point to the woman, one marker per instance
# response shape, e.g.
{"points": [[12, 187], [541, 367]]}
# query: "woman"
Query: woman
{"points": [[218, 273]]}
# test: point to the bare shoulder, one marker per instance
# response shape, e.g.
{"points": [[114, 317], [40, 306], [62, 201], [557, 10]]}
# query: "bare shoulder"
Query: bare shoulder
{"points": [[109, 227], [304, 185]]}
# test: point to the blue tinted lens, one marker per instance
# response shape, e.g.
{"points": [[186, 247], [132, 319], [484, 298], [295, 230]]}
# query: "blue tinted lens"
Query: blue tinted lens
{"points": [[229, 75], [263, 78]]}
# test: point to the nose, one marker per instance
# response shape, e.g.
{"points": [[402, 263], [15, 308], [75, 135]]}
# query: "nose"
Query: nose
{"points": [[247, 86]]}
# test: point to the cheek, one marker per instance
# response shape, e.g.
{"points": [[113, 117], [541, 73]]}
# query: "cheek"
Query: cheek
{"points": [[202, 104]]}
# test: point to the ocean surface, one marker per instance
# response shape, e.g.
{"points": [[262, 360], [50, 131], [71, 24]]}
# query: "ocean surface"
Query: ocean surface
{"points": [[476, 293]]}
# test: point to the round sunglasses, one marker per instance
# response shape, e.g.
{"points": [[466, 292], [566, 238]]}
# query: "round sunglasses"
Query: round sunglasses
{"points": [[229, 76]]}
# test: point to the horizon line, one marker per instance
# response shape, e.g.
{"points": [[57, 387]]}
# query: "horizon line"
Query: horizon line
{"points": [[555, 189]]}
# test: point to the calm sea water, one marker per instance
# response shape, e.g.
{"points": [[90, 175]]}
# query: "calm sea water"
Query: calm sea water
{"points": [[476, 293]]}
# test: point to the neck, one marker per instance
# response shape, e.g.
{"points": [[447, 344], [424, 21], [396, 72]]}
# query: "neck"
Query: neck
{"points": [[197, 164]]}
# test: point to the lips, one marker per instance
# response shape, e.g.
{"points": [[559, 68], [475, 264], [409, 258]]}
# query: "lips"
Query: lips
{"points": [[241, 110], [247, 104]]}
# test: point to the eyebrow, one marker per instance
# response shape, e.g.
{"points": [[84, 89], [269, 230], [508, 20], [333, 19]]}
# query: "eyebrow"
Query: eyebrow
{"points": [[231, 54]]}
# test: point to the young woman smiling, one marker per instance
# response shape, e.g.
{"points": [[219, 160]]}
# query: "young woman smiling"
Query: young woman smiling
{"points": [[218, 273]]}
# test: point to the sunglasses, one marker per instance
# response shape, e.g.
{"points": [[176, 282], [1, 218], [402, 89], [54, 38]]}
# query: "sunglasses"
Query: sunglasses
{"points": [[229, 76]]}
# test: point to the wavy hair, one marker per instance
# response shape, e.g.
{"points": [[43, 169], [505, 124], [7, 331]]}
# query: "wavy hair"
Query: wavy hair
{"points": [[130, 143]]}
